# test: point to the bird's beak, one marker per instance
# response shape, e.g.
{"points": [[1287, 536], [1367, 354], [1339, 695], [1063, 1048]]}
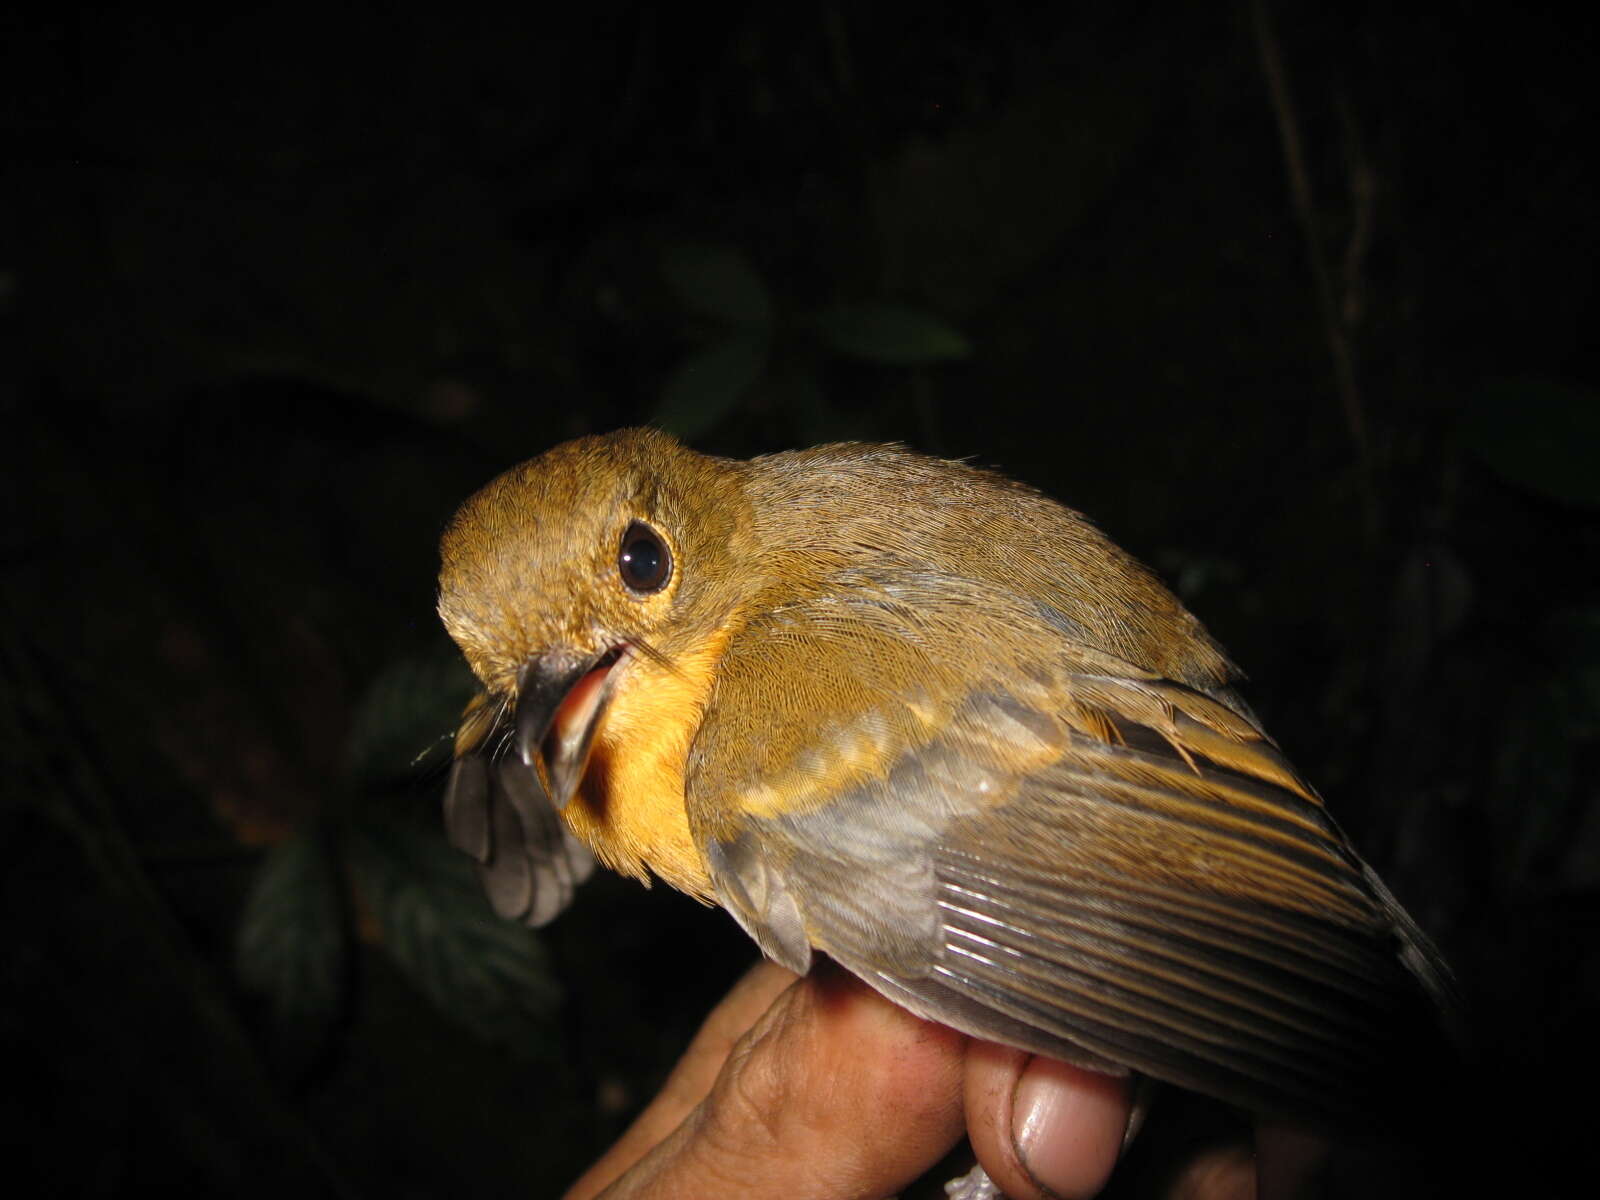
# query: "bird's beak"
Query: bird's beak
{"points": [[561, 699]]}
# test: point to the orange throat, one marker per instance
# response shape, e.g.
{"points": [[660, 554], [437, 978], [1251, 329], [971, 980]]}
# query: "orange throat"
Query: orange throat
{"points": [[630, 807]]}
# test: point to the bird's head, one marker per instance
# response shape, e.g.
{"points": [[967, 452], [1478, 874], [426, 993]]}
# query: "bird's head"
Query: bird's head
{"points": [[564, 569]]}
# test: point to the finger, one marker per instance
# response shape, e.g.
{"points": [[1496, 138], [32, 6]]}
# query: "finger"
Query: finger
{"points": [[1043, 1128], [835, 1094], [693, 1075]]}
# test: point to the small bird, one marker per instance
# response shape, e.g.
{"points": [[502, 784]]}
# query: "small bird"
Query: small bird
{"points": [[925, 720]]}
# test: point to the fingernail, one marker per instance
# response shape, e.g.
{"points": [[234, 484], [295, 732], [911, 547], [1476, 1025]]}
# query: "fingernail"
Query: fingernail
{"points": [[1141, 1095], [1068, 1126]]}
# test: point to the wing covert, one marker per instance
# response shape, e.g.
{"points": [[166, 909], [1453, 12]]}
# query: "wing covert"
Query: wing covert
{"points": [[1089, 863]]}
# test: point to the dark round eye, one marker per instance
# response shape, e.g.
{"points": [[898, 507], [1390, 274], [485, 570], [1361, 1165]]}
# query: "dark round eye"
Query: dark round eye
{"points": [[645, 563]]}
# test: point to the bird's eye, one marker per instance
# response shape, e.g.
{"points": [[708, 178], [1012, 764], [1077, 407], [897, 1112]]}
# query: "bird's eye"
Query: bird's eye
{"points": [[644, 562]]}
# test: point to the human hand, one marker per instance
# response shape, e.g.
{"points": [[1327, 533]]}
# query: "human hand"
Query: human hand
{"points": [[819, 1087]]}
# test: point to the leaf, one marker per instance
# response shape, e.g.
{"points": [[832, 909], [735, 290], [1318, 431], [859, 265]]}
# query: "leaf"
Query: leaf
{"points": [[1541, 804], [291, 942], [890, 334], [967, 215], [709, 384], [1572, 639], [489, 975], [799, 393], [718, 282], [1541, 434], [408, 713]]}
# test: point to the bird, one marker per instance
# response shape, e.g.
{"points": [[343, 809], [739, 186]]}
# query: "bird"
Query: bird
{"points": [[922, 719]]}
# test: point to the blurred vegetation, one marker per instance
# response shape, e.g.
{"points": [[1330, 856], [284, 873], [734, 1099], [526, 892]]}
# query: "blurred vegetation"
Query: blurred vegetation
{"points": [[278, 289]]}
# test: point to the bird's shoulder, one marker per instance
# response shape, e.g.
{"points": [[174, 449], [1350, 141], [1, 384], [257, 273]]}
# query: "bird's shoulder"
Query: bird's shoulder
{"points": [[833, 686], [836, 678], [1005, 827]]}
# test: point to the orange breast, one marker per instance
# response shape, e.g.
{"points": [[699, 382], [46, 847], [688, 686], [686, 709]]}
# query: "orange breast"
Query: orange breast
{"points": [[630, 807]]}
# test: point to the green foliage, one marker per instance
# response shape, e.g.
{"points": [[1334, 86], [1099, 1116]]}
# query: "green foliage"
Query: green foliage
{"points": [[718, 282], [890, 334], [291, 943], [406, 717], [1541, 434], [708, 385], [488, 974], [1548, 839], [745, 341], [427, 906]]}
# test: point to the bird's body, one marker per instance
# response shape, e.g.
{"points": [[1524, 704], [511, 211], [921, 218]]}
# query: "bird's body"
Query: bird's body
{"points": [[927, 721]]}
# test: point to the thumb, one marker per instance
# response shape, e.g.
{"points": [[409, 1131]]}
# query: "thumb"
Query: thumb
{"points": [[834, 1093]]}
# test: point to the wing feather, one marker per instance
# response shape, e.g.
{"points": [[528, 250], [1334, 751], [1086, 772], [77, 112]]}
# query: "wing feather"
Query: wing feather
{"points": [[496, 810], [1065, 855]]}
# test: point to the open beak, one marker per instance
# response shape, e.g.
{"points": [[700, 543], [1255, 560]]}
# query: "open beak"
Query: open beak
{"points": [[561, 700]]}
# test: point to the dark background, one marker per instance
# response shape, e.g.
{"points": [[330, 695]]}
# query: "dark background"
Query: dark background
{"points": [[279, 288]]}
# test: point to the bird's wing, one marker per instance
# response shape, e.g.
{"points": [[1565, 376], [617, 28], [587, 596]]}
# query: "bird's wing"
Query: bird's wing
{"points": [[1045, 847], [496, 809]]}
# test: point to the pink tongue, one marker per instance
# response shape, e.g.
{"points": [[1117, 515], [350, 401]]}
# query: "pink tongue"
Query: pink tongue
{"points": [[577, 709]]}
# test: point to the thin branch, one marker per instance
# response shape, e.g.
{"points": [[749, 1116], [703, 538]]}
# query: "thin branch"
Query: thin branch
{"points": [[1305, 209], [1363, 204]]}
